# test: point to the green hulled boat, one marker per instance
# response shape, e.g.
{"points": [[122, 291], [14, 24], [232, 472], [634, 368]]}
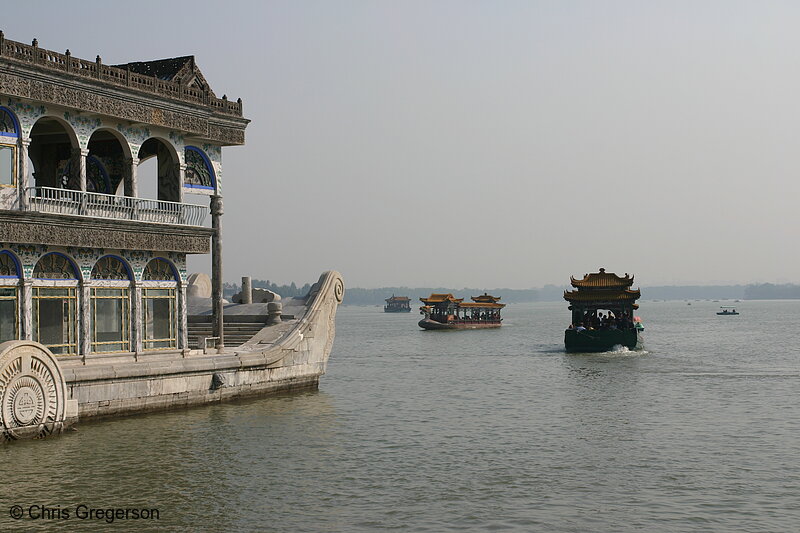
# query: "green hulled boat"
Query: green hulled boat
{"points": [[602, 313]]}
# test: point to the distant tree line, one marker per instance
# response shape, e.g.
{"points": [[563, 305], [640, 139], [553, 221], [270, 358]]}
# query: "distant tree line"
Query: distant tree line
{"points": [[768, 291], [286, 291], [356, 296], [548, 293]]}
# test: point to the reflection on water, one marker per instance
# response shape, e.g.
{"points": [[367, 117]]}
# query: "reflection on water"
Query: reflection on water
{"points": [[472, 430]]}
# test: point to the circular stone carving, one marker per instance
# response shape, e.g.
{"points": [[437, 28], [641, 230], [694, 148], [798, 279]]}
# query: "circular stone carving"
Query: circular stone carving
{"points": [[338, 289], [32, 391], [27, 403]]}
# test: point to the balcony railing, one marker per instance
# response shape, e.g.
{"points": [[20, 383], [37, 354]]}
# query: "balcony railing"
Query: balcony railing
{"points": [[92, 204]]}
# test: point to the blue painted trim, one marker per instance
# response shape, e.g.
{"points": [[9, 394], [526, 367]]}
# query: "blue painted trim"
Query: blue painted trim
{"points": [[190, 186], [16, 264], [172, 266], [16, 122], [124, 263], [75, 269], [209, 166]]}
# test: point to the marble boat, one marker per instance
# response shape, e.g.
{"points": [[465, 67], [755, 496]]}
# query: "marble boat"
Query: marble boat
{"points": [[94, 292]]}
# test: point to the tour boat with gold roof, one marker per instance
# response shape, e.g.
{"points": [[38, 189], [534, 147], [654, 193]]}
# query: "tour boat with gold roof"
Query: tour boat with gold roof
{"points": [[445, 311], [602, 313]]}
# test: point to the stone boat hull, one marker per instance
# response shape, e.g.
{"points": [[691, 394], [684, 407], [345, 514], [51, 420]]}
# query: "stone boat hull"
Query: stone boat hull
{"points": [[42, 394], [601, 340]]}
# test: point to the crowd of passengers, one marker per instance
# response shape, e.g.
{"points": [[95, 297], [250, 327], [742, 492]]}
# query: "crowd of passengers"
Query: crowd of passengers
{"points": [[595, 320], [469, 316]]}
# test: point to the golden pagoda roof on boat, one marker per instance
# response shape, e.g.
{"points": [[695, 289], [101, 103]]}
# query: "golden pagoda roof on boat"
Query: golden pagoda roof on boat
{"points": [[445, 311]]}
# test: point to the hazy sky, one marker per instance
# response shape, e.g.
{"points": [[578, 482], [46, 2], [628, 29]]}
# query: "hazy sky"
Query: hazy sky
{"points": [[486, 143]]}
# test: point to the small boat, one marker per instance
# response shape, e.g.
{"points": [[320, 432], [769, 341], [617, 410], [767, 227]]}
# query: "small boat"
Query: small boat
{"points": [[602, 313], [397, 304], [445, 311], [727, 310]]}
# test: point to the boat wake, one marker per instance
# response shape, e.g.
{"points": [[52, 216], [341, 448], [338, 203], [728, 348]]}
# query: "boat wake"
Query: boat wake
{"points": [[623, 351]]}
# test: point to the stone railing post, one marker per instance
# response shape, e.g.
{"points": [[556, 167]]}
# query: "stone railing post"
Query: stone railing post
{"points": [[183, 326], [99, 66], [35, 45], [216, 270], [137, 316], [2, 42], [69, 60], [85, 322], [247, 290]]}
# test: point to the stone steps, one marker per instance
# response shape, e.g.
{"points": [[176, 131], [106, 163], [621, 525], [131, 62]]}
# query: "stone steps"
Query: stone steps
{"points": [[236, 333]]}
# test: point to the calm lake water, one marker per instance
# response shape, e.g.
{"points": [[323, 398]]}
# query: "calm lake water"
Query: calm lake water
{"points": [[491, 430]]}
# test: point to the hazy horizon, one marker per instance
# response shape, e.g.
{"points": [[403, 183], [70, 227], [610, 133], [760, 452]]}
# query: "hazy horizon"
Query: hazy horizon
{"points": [[478, 143]]}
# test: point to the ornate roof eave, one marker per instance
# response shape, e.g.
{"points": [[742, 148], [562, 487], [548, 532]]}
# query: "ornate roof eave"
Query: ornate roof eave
{"points": [[602, 280], [94, 87], [602, 296], [486, 298]]}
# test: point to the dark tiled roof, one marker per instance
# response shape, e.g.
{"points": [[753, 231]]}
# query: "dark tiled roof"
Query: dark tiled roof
{"points": [[163, 69], [436, 298], [486, 298], [602, 280]]}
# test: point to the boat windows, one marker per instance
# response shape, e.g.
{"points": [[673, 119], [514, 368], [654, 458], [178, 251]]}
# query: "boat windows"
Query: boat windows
{"points": [[55, 318], [160, 305], [110, 305], [7, 165], [55, 304], [160, 318], [9, 322], [110, 318]]}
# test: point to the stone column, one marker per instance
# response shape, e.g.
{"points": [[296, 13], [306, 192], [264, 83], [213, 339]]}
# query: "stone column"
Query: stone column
{"points": [[26, 304], [247, 290], [216, 270], [183, 326], [137, 318], [82, 155], [22, 174], [131, 187], [85, 313], [181, 178]]}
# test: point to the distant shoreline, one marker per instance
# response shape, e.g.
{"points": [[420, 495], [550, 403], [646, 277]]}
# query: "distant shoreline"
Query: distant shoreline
{"points": [[551, 293]]}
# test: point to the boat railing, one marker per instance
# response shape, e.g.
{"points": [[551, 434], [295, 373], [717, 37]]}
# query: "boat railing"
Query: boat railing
{"points": [[99, 205]]}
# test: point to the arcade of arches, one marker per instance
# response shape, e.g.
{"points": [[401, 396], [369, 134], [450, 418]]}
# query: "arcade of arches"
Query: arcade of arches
{"points": [[110, 311], [52, 156]]}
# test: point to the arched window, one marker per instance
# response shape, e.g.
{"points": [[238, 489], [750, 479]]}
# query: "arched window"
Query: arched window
{"points": [[199, 172], [55, 304], [9, 131], [97, 179], [160, 309], [9, 126], [110, 305], [9, 297], [110, 267]]}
